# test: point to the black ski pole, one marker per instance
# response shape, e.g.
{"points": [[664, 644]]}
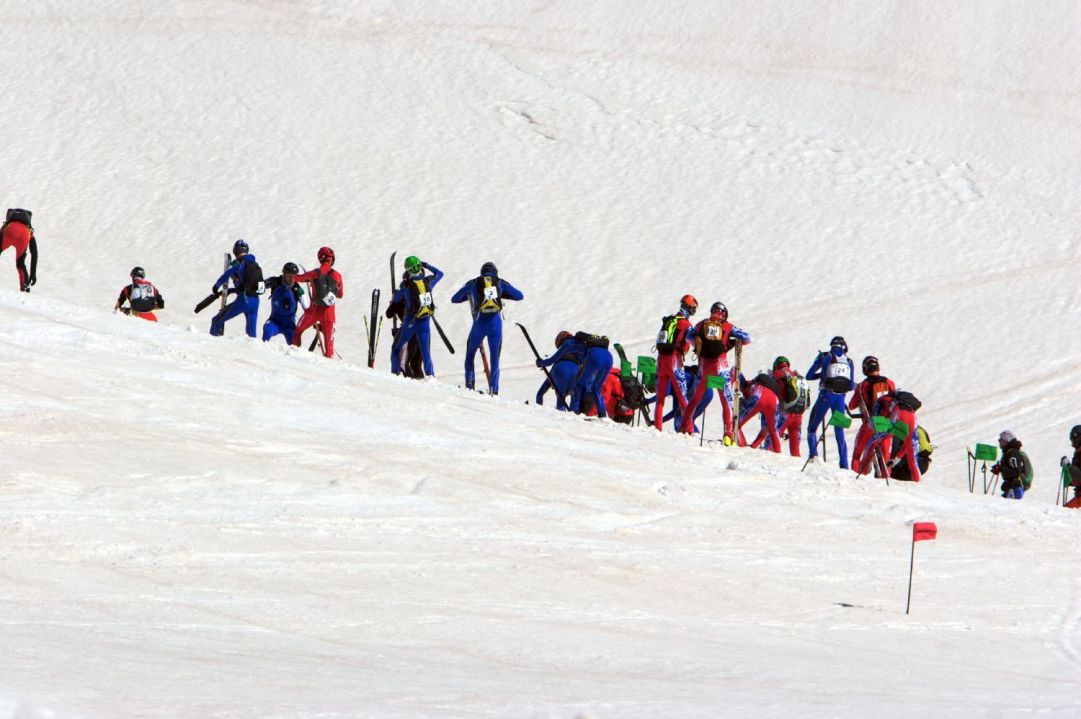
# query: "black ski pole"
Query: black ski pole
{"points": [[537, 355], [393, 284]]}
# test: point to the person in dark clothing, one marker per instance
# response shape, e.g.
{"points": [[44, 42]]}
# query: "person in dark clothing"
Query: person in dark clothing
{"points": [[409, 355], [1013, 468]]}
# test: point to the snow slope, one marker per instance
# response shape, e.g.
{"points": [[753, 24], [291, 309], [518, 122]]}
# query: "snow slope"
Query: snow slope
{"points": [[216, 527]]}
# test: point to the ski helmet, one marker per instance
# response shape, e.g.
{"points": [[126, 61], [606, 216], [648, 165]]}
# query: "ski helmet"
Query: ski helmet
{"points": [[290, 268], [325, 254], [839, 341], [1006, 437], [689, 304], [562, 337], [780, 362], [240, 247], [412, 265], [138, 272], [489, 268], [1075, 434], [870, 364], [718, 308]]}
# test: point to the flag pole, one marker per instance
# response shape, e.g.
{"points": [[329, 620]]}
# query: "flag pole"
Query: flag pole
{"points": [[911, 564]]}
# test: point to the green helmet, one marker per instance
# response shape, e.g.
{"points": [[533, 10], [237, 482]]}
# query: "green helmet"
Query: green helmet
{"points": [[412, 264], [780, 362]]}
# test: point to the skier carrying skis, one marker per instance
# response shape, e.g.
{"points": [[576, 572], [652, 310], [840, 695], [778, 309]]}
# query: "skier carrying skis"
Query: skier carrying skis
{"points": [[672, 345], [564, 370], [142, 297], [486, 295], [17, 232], [286, 294], [835, 371], [866, 395], [327, 288], [712, 339], [792, 405], [247, 279], [416, 294], [1013, 467], [409, 355]]}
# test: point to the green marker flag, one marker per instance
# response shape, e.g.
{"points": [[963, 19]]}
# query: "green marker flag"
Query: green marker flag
{"points": [[881, 424], [840, 419], [986, 452], [715, 381], [626, 369], [899, 430], [647, 364]]}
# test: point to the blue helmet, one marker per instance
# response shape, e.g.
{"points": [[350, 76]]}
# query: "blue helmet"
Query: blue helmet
{"points": [[240, 247]]}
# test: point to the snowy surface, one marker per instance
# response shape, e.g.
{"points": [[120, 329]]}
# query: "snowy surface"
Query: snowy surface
{"points": [[197, 526]]}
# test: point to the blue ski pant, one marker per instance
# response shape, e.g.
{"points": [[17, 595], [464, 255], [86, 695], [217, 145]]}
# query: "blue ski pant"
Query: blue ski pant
{"points": [[490, 327], [563, 374], [591, 378], [422, 330], [825, 404], [248, 305], [284, 326]]}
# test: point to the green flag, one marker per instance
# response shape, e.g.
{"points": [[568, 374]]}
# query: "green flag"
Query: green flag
{"points": [[840, 419], [899, 430], [626, 369], [986, 452], [715, 381], [647, 364], [881, 424]]}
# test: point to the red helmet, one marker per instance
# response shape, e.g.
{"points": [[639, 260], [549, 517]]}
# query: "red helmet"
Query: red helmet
{"points": [[562, 337], [326, 255], [688, 303]]}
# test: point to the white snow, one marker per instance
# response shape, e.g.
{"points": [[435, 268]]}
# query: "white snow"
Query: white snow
{"points": [[197, 526]]}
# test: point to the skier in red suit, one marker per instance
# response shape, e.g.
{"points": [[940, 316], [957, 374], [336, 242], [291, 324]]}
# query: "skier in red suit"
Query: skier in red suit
{"points": [[17, 233], [760, 399], [869, 391], [672, 344], [327, 289], [712, 340]]}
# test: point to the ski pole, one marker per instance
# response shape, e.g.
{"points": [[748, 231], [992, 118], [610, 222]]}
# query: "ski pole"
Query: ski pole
{"points": [[442, 334], [537, 355]]}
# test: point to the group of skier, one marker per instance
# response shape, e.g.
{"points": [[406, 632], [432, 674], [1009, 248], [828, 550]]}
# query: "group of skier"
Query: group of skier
{"points": [[582, 372]]}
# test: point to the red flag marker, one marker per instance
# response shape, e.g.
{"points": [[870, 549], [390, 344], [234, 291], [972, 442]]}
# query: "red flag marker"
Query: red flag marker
{"points": [[920, 532]]}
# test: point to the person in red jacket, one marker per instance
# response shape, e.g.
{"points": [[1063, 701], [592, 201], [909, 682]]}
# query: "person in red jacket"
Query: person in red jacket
{"points": [[863, 399], [713, 338], [790, 418], [17, 232], [672, 344], [760, 395], [612, 389], [142, 297], [327, 289]]}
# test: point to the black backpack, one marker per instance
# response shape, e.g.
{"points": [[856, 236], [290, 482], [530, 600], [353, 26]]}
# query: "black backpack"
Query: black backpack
{"points": [[907, 400], [325, 285], [18, 215], [253, 278], [769, 383], [591, 341], [634, 394]]}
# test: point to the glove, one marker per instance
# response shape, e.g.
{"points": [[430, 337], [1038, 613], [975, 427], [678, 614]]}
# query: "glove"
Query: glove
{"points": [[126, 310], [540, 363], [214, 289], [425, 265], [893, 462], [33, 280], [996, 469]]}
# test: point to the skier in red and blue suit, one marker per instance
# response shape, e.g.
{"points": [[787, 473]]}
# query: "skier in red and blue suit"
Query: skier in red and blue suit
{"points": [[416, 294], [285, 297], [486, 295], [712, 339], [836, 376], [247, 298]]}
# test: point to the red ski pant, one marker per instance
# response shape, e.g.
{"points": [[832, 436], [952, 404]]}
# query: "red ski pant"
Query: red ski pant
{"points": [[706, 368], [863, 437], [17, 235], [793, 425], [666, 378], [312, 315], [763, 402]]}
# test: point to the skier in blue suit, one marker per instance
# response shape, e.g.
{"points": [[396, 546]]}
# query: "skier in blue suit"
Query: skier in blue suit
{"points": [[595, 363], [486, 294], [837, 378], [285, 297], [416, 294], [247, 280], [569, 353], [564, 373]]}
